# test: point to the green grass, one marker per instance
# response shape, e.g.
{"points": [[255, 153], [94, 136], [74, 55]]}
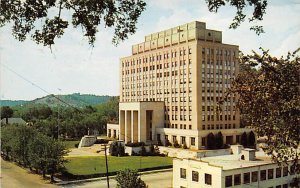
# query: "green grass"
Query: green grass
{"points": [[93, 165], [71, 144]]}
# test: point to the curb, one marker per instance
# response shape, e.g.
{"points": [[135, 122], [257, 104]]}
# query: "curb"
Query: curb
{"points": [[111, 177]]}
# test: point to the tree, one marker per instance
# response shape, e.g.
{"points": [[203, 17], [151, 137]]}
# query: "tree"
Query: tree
{"points": [[129, 178], [244, 139], [251, 139], [6, 112], [219, 140], [211, 141], [25, 17], [268, 89], [259, 6]]}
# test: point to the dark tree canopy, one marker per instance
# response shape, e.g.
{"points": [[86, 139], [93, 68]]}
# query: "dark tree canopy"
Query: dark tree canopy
{"points": [[269, 99], [219, 140], [251, 139], [244, 139], [211, 141], [46, 20], [6, 112], [259, 9], [129, 178]]}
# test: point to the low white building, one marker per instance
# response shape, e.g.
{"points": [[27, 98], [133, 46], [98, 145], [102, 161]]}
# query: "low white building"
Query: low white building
{"points": [[243, 168], [112, 130]]}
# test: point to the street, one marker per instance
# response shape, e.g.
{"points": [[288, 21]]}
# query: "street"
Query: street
{"points": [[13, 176], [161, 180]]}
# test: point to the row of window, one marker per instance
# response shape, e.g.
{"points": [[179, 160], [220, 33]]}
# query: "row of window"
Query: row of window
{"points": [[235, 180], [221, 52], [218, 117], [182, 139], [157, 57], [175, 126], [195, 176], [218, 126], [252, 177]]}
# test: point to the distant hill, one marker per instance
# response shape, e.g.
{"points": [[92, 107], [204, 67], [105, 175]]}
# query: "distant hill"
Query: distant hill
{"points": [[75, 99], [12, 102]]}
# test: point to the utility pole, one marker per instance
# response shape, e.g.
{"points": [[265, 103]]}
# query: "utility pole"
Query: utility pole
{"points": [[107, 178]]}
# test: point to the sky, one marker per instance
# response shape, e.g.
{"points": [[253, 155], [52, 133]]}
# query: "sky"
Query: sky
{"points": [[29, 71]]}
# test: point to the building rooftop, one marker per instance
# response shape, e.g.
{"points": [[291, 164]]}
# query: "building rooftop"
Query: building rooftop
{"points": [[234, 161]]}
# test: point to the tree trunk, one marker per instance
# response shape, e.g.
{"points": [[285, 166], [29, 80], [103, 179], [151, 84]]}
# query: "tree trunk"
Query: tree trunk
{"points": [[44, 174], [6, 120], [52, 177]]}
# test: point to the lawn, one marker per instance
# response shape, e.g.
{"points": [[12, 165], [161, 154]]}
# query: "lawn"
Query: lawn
{"points": [[93, 165], [71, 143]]}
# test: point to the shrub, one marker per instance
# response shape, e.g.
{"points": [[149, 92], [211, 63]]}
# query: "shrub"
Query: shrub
{"points": [[167, 143], [143, 151], [129, 178], [113, 149], [219, 140], [211, 141], [184, 146], [251, 139], [121, 150], [152, 150], [135, 144], [176, 145], [244, 140]]}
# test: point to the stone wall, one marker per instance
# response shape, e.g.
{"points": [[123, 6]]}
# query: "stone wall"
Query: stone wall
{"points": [[87, 141], [136, 150]]}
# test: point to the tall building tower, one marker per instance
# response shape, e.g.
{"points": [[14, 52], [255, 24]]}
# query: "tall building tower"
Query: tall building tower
{"points": [[171, 85]]}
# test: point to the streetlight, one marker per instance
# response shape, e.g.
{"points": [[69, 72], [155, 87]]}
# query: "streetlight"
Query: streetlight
{"points": [[106, 164]]}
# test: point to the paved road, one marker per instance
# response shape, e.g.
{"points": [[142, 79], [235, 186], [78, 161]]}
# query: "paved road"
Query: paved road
{"points": [[12, 176], [161, 180]]}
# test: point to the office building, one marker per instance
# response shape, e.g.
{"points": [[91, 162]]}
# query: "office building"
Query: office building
{"points": [[171, 84]]}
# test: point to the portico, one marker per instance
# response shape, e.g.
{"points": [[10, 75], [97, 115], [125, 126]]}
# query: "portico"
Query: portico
{"points": [[138, 120]]}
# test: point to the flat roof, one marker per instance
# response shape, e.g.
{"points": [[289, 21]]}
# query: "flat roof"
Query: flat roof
{"points": [[230, 162]]}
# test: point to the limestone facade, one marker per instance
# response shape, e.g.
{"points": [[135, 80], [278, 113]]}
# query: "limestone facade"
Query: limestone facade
{"points": [[189, 70]]}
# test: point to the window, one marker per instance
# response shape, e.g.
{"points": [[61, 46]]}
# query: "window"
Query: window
{"points": [[246, 177], [254, 176], [195, 176], [183, 173], [285, 171], [183, 140], [174, 139], [278, 172], [192, 141], [208, 179], [270, 174], [263, 174], [228, 181], [237, 179], [278, 186], [285, 186]]}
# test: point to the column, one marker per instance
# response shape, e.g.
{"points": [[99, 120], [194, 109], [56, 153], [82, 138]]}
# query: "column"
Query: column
{"points": [[127, 126], [122, 125]]}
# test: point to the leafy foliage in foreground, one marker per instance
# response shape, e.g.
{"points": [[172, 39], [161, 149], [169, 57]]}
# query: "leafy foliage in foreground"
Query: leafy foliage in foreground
{"points": [[30, 148], [269, 99], [36, 18], [129, 178], [259, 7]]}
